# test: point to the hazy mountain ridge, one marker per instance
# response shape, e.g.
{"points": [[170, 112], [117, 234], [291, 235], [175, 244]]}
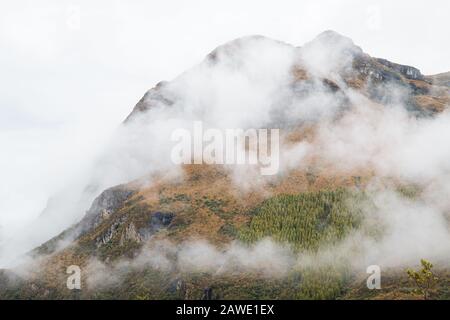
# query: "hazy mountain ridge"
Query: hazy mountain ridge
{"points": [[363, 69]]}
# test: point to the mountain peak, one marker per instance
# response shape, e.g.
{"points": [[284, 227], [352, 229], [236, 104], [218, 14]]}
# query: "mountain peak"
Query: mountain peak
{"points": [[241, 48], [329, 52], [259, 60], [332, 35], [332, 40]]}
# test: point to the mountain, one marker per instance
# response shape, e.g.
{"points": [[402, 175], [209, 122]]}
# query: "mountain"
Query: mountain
{"points": [[327, 54], [213, 231]]}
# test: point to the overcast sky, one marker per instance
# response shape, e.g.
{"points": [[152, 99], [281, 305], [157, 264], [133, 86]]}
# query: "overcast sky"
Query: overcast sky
{"points": [[70, 71]]}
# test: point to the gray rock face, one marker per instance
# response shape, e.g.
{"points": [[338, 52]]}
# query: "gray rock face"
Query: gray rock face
{"points": [[109, 234], [152, 98], [108, 202], [104, 205], [369, 68], [441, 79], [130, 234], [407, 71], [158, 221]]}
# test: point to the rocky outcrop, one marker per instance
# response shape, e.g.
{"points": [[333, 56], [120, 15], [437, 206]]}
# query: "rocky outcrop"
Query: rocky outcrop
{"points": [[155, 97], [407, 71], [158, 221], [108, 202], [107, 236], [441, 79], [101, 209], [130, 234], [368, 69], [127, 229]]}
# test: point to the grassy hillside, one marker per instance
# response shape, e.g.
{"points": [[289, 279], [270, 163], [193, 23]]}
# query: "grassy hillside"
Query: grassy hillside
{"points": [[307, 217]]}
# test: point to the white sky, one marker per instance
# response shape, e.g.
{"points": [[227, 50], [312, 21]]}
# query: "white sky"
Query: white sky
{"points": [[70, 71]]}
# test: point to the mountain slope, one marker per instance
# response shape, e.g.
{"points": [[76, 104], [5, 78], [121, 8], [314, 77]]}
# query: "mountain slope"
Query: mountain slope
{"points": [[166, 236]]}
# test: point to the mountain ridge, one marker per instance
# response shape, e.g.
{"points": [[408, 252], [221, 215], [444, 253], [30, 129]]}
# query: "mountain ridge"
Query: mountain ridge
{"points": [[369, 68]]}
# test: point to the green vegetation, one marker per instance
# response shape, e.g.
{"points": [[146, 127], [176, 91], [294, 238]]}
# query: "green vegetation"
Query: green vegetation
{"points": [[324, 283], [409, 191], [424, 279], [229, 230], [308, 220], [177, 197], [215, 205]]}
